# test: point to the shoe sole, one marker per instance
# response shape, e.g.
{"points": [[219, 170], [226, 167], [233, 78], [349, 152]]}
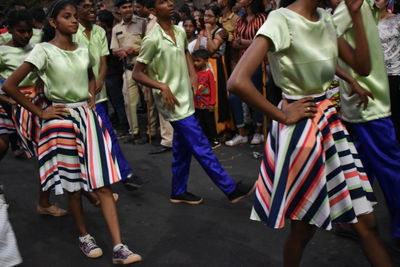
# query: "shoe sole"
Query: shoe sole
{"points": [[93, 257], [236, 200], [135, 259], [175, 201]]}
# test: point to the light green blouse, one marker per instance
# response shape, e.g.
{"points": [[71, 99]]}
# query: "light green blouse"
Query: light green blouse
{"points": [[64, 73], [166, 63], [304, 54], [98, 47], [11, 58], [377, 81]]}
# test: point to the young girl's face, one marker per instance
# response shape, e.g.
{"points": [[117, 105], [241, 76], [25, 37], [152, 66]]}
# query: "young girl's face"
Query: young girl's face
{"points": [[67, 20], [164, 8], [21, 34]]}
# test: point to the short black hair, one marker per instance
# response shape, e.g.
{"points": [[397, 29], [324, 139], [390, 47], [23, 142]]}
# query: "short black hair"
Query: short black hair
{"points": [[185, 9], [107, 17], [16, 16], [38, 14], [201, 53]]}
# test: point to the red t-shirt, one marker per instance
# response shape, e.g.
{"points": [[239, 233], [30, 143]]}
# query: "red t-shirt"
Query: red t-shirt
{"points": [[204, 97]]}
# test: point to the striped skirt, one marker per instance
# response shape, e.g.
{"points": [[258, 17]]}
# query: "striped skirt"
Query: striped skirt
{"points": [[75, 152], [311, 172], [6, 125], [28, 125]]}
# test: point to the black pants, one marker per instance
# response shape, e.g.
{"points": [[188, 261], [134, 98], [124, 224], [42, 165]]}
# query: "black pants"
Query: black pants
{"points": [[114, 91], [207, 122], [394, 85]]}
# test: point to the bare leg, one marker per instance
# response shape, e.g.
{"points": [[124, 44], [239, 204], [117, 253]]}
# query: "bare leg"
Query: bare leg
{"points": [[92, 197], [4, 141], [75, 206], [300, 234], [44, 198], [371, 244], [110, 214]]}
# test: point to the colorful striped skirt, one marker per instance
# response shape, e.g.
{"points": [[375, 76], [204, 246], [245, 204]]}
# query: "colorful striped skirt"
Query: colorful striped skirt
{"points": [[75, 152], [28, 125], [311, 172], [6, 124]]}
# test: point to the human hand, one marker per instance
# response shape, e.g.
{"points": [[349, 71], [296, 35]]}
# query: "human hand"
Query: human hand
{"points": [[54, 112], [208, 27], [99, 86], [354, 5], [211, 108], [92, 102], [168, 99], [300, 109], [361, 92], [223, 34]]}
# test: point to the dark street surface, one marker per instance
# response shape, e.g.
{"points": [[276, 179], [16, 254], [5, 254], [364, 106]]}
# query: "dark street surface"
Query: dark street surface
{"points": [[215, 233]]}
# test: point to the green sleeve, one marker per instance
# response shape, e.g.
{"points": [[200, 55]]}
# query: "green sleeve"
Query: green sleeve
{"points": [[148, 50], [342, 19], [38, 57], [277, 30], [104, 44]]}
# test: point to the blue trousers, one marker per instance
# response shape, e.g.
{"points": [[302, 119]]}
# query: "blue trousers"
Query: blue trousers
{"points": [[379, 152], [124, 168], [189, 140]]}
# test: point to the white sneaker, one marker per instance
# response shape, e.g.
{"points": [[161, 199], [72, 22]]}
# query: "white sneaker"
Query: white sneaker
{"points": [[257, 139], [238, 139]]}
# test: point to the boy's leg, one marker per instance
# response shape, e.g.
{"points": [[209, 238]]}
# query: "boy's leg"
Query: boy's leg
{"points": [[380, 154], [123, 164], [196, 143], [180, 163]]}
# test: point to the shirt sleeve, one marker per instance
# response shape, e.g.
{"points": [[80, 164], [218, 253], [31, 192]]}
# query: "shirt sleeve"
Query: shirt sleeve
{"points": [[147, 51], [114, 42], [341, 19], [213, 88], [277, 30], [37, 57], [104, 44]]}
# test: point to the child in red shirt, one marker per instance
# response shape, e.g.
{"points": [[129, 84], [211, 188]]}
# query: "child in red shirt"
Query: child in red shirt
{"points": [[204, 96]]}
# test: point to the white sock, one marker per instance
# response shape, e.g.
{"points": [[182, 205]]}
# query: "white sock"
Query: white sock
{"points": [[116, 247]]}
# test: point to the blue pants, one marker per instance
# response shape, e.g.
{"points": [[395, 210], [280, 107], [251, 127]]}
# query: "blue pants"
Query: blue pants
{"points": [[189, 140], [380, 154], [124, 168]]}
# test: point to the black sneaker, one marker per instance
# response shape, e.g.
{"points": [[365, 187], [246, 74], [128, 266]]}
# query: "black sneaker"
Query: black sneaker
{"points": [[133, 182], [215, 144], [242, 190], [187, 198]]}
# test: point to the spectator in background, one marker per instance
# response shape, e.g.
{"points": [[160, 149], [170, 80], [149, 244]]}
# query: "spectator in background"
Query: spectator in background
{"points": [[246, 29], [39, 18]]}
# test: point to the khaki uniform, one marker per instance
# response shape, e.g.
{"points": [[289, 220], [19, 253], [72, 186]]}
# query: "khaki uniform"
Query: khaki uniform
{"points": [[129, 34]]}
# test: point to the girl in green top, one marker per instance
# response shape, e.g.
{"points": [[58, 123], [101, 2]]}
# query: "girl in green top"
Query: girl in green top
{"points": [[311, 173], [74, 150]]}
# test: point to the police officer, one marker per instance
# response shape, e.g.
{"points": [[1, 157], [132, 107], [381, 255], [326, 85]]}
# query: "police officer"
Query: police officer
{"points": [[125, 44]]}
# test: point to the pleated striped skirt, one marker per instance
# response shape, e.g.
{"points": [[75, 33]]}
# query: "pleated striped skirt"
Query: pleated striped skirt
{"points": [[75, 153], [311, 172], [28, 125], [6, 124]]}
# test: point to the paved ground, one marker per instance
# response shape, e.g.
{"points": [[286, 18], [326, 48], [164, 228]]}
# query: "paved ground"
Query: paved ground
{"points": [[215, 233]]}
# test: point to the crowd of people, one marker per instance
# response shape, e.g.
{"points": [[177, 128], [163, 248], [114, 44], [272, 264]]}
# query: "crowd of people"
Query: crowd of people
{"points": [[316, 82]]}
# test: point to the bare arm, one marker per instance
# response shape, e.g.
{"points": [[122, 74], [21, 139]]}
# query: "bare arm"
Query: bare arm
{"points": [[240, 83], [92, 88], [192, 71], [358, 59], [355, 87], [102, 74], [10, 86]]}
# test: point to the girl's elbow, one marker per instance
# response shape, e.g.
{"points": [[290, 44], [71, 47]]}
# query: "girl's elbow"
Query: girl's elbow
{"points": [[364, 70], [233, 84]]}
